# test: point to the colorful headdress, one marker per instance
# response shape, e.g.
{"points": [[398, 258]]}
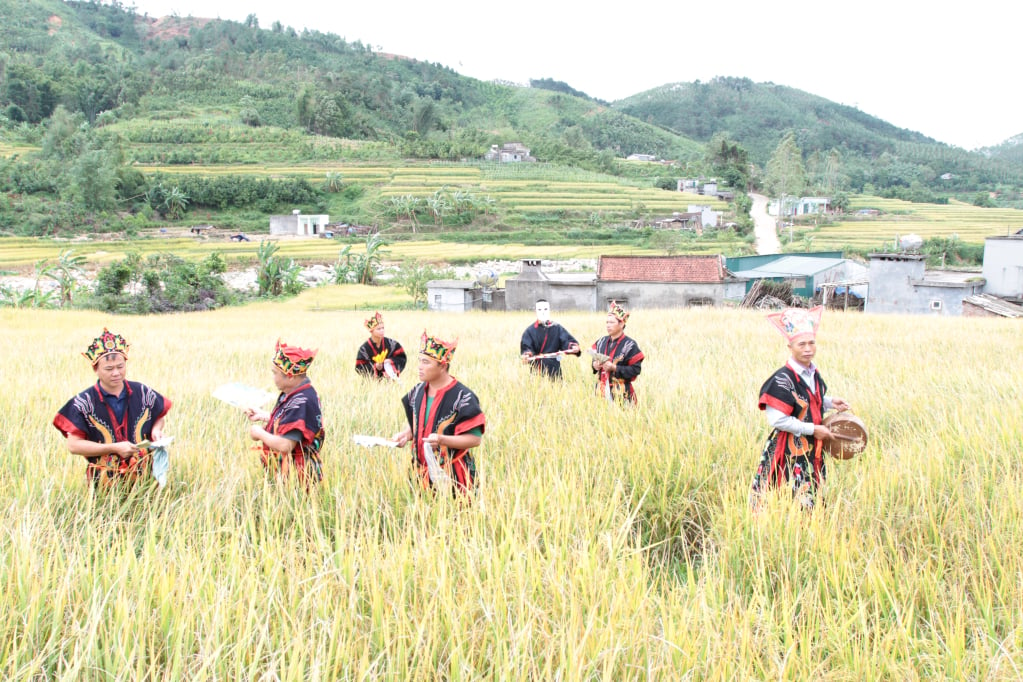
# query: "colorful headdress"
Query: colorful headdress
{"points": [[372, 322], [432, 347], [104, 344], [292, 360], [797, 322], [618, 312]]}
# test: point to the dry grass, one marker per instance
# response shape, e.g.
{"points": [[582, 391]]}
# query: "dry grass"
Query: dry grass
{"points": [[605, 543]]}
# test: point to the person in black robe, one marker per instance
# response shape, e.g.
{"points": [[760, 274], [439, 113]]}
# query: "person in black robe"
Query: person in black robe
{"points": [[445, 421], [106, 422], [292, 434], [617, 359], [794, 400], [544, 343], [380, 356]]}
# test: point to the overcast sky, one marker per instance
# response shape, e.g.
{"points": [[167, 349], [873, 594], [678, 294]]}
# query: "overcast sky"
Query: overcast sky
{"points": [[948, 70]]}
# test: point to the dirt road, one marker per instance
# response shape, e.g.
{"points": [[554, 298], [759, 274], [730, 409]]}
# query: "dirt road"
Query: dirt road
{"points": [[764, 226]]}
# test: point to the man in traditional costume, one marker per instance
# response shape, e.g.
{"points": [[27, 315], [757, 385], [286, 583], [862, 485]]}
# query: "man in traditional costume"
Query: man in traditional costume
{"points": [[617, 359], [444, 415], [105, 422], [794, 401], [544, 342], [293, 432], [380, 356]]}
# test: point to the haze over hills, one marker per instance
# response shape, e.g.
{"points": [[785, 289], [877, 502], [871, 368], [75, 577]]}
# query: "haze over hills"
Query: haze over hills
{"points": [[119, 71]]}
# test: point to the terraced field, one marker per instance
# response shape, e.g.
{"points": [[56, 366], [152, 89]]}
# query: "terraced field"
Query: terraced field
{"points": [[20, 253], [531, 188], [970, 223]]}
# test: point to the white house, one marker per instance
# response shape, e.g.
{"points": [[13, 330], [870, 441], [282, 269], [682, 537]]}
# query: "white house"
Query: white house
{"points": [[1003, 266], [298, 224], [509, 152], [800, 206], [708, 216], [451, 295]]}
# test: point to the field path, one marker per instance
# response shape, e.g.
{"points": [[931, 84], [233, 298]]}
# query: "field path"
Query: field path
{"points": [[764, 226]]}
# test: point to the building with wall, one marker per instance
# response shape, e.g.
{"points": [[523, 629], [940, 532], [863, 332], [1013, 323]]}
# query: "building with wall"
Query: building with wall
{"points": [[708, 216], [665, 281], [509, 152], [299, 225], [805, 272], [899, 283], [1003, 266], [563, 291]]}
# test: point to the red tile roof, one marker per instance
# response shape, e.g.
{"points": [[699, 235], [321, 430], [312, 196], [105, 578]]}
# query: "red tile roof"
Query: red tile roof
{"points": [[660, 269]]}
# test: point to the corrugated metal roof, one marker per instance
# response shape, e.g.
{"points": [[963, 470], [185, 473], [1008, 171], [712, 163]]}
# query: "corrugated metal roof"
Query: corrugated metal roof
{"points": [[995, 305], [792, 266]]}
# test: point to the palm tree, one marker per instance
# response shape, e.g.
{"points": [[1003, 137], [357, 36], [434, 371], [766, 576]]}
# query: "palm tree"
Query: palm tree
{"points": [[368, 264], [438, 206], [63, 273], [175, 202], [333, 182]]}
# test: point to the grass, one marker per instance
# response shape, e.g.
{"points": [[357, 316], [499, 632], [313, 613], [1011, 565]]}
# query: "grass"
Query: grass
{"points": [[604, 543]]}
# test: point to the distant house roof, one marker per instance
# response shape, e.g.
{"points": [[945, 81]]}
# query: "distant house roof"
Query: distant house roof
{"points": [[707, 269]]}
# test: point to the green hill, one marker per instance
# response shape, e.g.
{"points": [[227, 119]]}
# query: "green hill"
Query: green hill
{"points": [[875, 154], [98, 103], [109, 64]]}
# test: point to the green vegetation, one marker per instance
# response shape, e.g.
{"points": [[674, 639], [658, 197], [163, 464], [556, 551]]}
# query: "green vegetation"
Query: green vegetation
{"points": [[137, 128], [875, 157]]}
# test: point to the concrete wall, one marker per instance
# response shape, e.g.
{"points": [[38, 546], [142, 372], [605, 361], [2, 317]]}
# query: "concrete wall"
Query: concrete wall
{"points": [[283, 224], [890, 290], [523, 294], [1003, 266], [573, 296], [660, 294], [520, 294]]}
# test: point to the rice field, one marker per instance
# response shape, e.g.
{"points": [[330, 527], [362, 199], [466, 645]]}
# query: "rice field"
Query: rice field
{"points": [[604, 543], [539, 188], [21, 253], [899, 218]]}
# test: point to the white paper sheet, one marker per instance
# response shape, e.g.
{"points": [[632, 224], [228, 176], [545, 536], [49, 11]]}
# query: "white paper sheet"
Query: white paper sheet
{"points": [[243, 396]]}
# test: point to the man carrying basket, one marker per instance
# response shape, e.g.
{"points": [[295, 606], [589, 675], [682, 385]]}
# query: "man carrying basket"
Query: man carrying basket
{"points": [[794, 401]]}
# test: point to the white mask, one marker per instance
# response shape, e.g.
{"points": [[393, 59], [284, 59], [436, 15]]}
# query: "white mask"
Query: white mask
{"points": [[543, 312]]}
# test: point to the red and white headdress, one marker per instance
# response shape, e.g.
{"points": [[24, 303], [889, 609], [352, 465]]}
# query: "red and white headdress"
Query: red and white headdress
{"points": [[374, 321], [795, 323]]}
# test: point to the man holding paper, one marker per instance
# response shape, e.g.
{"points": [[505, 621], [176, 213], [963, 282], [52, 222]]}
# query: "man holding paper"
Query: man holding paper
{"points": [[112, 423], [292, 434], [445, 421]]}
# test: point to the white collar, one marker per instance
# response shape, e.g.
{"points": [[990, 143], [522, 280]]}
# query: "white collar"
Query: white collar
{"points": [[800, 369]]}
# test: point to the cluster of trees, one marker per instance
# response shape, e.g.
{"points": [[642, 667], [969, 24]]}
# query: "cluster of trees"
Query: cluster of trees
{"points": [[161, 283], [445, 207]]}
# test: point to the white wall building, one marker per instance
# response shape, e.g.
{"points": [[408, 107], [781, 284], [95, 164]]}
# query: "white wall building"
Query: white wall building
{"points": [[1003, 266]]}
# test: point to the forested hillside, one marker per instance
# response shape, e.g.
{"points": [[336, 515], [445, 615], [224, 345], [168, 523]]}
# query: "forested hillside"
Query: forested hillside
{"points": [[875, 155], [110, 65], [91, 91]]}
